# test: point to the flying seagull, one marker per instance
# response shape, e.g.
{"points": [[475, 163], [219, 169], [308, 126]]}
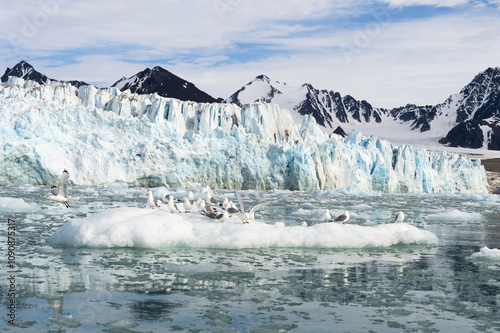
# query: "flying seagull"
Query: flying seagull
{"points": [[60, 193], [250, 215]]}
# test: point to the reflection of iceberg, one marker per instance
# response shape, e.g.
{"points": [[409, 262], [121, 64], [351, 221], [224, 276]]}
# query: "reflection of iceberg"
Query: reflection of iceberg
{"points": [[136, 227], [150, 140]]}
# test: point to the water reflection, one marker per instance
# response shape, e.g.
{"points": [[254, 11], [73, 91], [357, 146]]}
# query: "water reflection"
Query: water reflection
{"points": [[394, 287]]}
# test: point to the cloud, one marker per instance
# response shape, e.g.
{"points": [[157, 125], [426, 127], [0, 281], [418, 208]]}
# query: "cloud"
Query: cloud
{"points": [[435, 3], [364, 48]]}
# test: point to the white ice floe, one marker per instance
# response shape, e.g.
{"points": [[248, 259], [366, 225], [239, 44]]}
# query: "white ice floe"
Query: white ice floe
{"points": [[487, 253], [17, 205], [147, 228], [454, 215]]}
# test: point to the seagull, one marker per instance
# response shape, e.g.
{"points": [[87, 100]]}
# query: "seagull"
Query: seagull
{"points": [[342, 218], [223, 216], [209, 211], [211, 200], [250, 215], [190, 197], [164, 197], [251, 212], [151, 200], [400, 216], [232, 210], [60, 194], [327, 216], [172, 207], [303, 224], [187, 205], [244, 215], [200, 203]]}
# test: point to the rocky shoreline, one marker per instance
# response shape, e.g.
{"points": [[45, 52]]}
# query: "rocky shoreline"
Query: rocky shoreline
{"points": [[492, 167]]}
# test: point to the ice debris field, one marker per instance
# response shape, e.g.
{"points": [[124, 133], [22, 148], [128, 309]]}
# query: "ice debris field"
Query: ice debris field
{"points": [[104, 136]]}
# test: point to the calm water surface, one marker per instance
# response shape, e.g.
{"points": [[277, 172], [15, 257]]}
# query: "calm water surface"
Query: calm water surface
{"points": [[402, 288]]}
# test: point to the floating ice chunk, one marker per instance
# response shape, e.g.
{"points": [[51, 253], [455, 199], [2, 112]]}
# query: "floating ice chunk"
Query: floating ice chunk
{"points": [[123, 323], [152, 228], [17, 205], [482, 197], [351, 190], [487, 253], [65, 320], [454, 215]]}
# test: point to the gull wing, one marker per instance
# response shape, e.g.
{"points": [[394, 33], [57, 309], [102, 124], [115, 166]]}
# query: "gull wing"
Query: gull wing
{"points": [[258, 206], [63, 183], [242, 206], [232, 210], [54, 190], [341, 218]]}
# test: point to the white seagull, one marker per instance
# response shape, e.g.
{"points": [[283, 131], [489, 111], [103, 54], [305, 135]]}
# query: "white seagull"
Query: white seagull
{"points": [[327, 216], [151, 200], [172, 207], [190, 196], [244, 215], [342, 218], [250, 215], [231, 209], [223, 216], [400, 216], [211, 200], [187, 205], [60, 193], [164, 197]]}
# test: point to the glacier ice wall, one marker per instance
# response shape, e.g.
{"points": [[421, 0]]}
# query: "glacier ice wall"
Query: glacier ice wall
{"points": [[103, 136]]}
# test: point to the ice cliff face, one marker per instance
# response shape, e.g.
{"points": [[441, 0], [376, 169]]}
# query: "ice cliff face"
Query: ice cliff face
{"points": [[105, 136]]}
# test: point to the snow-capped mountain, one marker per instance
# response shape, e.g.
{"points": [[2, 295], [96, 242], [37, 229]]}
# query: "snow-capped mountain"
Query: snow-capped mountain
{"points": [[469, 119], [164, 83], [25, 71], [329, 108], [477, 112]]}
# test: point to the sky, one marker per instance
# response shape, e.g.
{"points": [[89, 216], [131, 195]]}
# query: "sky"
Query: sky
{"points": [[387, 52]]}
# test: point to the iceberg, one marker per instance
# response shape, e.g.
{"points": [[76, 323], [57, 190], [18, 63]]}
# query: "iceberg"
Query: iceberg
{"points": [[106, 136], [487, 253], [124, 227]]}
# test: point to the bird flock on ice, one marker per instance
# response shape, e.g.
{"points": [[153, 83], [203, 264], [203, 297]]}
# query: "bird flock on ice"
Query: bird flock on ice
{"points": [[209, 207]]}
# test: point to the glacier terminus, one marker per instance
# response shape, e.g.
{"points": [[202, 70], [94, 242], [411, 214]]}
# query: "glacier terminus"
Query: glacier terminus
{"points": [[106, 136]]}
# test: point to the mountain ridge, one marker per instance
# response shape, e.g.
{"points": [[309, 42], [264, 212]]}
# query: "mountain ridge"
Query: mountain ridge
{"points": [[477, 106], [468, 119]]}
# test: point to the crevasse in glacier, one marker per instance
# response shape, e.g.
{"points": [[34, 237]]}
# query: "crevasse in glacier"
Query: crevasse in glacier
{"points": [[103, 136]]}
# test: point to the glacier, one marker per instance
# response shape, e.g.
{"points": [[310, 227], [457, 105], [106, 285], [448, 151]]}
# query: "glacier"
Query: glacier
{"points": [[106, 136]]}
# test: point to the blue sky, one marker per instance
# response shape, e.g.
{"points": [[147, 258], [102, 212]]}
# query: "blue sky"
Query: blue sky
{"points": [[388, 52]]}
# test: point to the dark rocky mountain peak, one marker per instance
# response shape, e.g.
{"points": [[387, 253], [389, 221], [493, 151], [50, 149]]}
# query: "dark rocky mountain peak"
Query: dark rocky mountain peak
{"points": [[27, 72], [164, 83]]}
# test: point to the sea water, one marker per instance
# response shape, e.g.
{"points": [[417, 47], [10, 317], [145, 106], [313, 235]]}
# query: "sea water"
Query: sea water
{"points": [[447, 284]]}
